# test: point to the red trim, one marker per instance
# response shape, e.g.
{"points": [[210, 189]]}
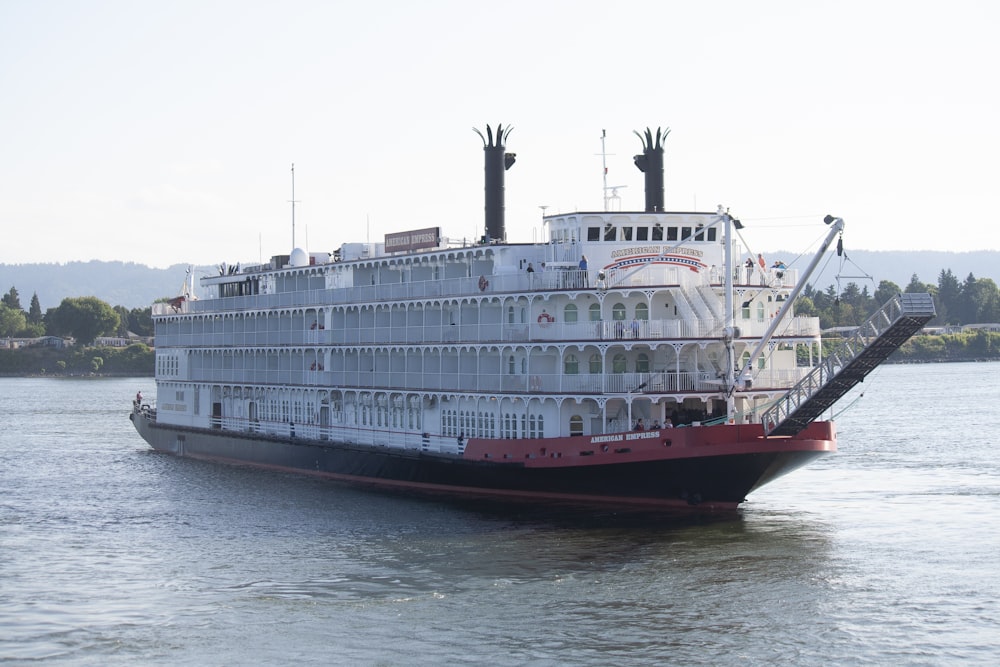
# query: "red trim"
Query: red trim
{"points": [[661, 445]]}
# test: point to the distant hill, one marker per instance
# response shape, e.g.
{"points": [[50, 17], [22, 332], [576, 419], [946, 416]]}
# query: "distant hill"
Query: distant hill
{"points": [[136, 285], [117, 283]]}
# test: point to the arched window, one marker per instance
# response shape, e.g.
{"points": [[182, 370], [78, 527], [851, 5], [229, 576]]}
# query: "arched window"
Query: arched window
{"points": [[760, 312], [618, 311], [576, 425], [641, 311], [571, 365], [595, 312], [642, 363], [510, 314], [510, 365], [570, 313], [618, 363], [595, 364]]}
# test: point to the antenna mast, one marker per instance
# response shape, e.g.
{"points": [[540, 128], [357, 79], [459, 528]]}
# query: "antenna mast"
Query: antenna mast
{"points": [[293, 200], [613, 189]]}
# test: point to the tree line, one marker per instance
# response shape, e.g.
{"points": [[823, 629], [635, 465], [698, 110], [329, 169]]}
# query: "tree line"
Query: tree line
{"points": [[83, 318], [972, 301]]}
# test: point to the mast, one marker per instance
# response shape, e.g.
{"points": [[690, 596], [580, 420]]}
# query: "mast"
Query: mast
{"points": [[293, 201]]}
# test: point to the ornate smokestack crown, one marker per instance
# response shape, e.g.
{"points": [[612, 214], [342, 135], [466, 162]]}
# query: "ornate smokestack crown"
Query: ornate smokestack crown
{"points": [[497, 162], [650, 163]]}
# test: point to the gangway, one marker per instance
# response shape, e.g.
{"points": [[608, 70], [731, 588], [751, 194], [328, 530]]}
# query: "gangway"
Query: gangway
{"points": [[849, 363]]}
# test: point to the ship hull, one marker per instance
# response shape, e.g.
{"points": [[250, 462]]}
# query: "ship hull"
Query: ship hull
{"points": [[708, 468]]}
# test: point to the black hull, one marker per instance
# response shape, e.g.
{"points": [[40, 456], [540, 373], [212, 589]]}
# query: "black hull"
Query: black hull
{"points": [[717, 482]]}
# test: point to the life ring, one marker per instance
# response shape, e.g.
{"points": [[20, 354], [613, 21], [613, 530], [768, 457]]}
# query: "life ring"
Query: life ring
{"points": [[483, 283], [545, 319]]}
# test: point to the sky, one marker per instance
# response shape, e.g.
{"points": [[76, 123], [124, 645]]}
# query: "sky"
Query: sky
{"points": [[164, 132]]}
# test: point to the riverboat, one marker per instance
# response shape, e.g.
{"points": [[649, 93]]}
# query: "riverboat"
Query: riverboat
{"points": [[630, 359]]}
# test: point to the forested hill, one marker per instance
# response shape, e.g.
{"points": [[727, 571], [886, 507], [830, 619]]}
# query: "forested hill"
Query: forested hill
{"points": [[136, 285], [116, 283]]}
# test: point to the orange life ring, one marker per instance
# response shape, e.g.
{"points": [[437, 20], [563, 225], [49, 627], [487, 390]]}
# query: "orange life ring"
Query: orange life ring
{"points": [[545, 319], [483, 283]]}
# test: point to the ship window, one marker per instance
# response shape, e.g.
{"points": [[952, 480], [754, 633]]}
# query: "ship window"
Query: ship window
{"points": [[541, 426], [610, 233], [618, 311], [531, 426], [699, 233], [510, 314], [642, 233], [570, 313], [593, 233], [641, 311], [657, 232], [711, 234], [571, 365], [626, 233], [524, 366], [685, 233], [760, 312], [671, 233], [595, 364], [618, 363], [745, 311], [576, 425], [510, 365], [642, 363]]}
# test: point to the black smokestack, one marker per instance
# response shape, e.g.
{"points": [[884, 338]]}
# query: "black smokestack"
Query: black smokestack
{"points": [[497, 162], [650, 163]]}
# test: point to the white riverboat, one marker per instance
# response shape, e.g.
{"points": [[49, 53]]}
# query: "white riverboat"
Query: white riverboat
{"points": [[629, 359]]}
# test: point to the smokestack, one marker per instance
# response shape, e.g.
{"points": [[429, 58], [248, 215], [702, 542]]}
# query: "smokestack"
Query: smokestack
{"points": [[650, 163], [497, 162]]}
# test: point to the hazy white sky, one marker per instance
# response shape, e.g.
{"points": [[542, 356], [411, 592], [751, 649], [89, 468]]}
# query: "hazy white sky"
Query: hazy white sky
{"points": [[163, 132]]}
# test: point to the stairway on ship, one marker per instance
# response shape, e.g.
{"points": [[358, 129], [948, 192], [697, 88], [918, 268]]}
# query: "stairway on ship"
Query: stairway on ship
{"points": [[848, 364]]}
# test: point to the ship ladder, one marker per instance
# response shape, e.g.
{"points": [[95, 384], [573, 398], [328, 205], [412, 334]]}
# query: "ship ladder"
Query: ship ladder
{"points": [[849, 363]]}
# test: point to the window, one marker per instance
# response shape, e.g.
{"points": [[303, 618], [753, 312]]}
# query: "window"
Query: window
{"points": [[641, 311], [618, 363], [593, 233], [570, 313], [595, 364], [699, 233], [510, 365], [760, 312], [576, 425], [571, 365], [657, 233], [610, 233], [685, 233], [510, 314], [671, 233], [618, 311], [642, 233], [711, 234], [595, 312], [642, 363], [626, 233]]}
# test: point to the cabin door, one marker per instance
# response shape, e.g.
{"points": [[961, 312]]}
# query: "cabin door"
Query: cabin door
{"points": [[216, 415], [324, 422]]}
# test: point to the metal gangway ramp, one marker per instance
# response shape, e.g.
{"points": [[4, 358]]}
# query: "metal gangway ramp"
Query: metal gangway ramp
{"points": [[848, 364]]}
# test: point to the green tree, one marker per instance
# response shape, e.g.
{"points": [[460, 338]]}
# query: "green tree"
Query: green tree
{"points": [[85, 318], [12, 320], [35, 310], [885, 291], [11, 299], [949, 293]]}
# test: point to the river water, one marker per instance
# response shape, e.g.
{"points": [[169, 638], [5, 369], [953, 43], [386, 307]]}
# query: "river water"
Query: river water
{"points": [[886, 553]]}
